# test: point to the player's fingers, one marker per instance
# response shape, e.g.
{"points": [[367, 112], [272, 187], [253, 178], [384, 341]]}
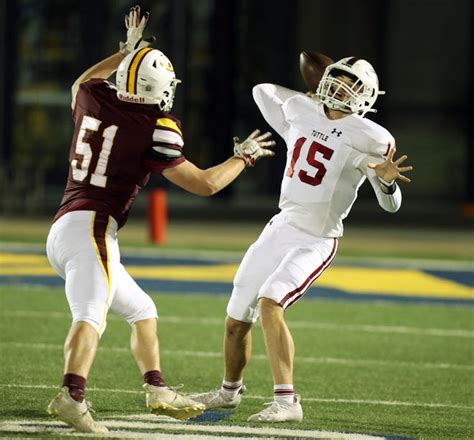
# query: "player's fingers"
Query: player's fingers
{"points": [[401, 159], [135, 16], [264, 136], [254, 134], [126, 22], [405, 169], [404, 179], [266, 152], [268, 144], [371, 165], [142, 24], [391, 152]]}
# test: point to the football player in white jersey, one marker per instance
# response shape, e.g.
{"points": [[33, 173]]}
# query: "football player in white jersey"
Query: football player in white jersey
{"points": [[332, 150]]}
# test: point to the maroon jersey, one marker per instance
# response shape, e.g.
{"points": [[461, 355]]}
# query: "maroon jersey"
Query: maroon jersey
{"points": [[115, 147]]}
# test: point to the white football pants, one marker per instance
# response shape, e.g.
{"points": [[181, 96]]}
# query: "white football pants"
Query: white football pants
{"points": [[281, 265], [82, 247]]}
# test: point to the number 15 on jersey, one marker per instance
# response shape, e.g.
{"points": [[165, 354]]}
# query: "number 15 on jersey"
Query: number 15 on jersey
{"points": [[316, 150]]}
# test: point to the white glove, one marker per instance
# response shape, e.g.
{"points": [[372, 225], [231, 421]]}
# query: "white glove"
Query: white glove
{"points": [[135, 27], [254, 147]]}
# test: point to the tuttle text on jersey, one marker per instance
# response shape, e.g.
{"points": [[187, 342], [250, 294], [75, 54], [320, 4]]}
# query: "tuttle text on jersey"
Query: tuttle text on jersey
{"points": [[319, 135]]}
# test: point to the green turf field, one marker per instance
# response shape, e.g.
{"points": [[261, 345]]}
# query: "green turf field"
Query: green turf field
{"points": [[385, 369]]}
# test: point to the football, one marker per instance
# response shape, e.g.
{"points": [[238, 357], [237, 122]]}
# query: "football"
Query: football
{"points": [[312, 66]]}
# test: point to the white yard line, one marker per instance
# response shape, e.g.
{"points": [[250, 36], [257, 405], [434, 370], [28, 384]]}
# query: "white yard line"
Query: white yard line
{"points": [[247, 430], [249, 396], [384, 329], [365, 328], [191, 431], [262, 357]]}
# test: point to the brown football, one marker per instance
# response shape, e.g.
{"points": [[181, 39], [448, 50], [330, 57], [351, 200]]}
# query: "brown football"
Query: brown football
{"points": [[312, 66]]}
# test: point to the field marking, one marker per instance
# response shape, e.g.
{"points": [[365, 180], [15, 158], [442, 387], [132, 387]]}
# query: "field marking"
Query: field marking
{"points": [[263, 357], [365, 328], [250, 396], [193, 431], [236, 257], [403, 282]]}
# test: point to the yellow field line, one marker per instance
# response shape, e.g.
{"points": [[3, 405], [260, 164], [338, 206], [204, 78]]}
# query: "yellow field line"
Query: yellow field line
{"points": [[401, 282]]}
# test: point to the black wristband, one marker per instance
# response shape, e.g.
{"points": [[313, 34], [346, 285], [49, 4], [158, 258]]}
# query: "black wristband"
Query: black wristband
{"points": [[388, 189]]}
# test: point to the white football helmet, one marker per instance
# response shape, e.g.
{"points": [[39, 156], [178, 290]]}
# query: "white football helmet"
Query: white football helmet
{"points": [[358, 97], [146, 76]]}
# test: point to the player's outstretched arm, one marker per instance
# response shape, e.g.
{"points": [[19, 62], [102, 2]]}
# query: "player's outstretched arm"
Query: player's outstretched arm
{"points": [[135, 25], [211, 180]]}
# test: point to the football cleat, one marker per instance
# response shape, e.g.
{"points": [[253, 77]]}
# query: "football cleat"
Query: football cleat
{"points": [[166, 401], [218, 399], [277, 411], [74, 413]]}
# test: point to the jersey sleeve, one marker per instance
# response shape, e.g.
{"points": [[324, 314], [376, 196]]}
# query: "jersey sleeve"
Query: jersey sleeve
{"points": [[166, 150], [374, 140], [270, 99]]}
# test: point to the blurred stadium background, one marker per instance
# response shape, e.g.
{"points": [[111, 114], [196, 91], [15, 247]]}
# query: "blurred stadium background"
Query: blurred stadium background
{"points": [[421, 49]]}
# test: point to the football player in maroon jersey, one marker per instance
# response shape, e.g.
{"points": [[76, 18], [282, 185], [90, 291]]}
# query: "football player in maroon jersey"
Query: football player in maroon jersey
{"points": [[123, 133]]}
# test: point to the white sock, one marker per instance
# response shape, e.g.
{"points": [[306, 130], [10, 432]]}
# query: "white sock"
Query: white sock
{"points": [[284, 393], [231, 389]]}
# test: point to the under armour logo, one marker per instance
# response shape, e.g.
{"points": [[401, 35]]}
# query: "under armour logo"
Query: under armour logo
{"points": [[336, 132]]}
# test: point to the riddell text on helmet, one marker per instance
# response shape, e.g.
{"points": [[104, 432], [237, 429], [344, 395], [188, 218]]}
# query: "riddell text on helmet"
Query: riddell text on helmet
{"points": [[137, 100]]}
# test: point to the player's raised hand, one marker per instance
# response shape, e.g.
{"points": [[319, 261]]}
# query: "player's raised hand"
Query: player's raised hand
{"points": [[135, 25], [390, 170], [254, 147]]}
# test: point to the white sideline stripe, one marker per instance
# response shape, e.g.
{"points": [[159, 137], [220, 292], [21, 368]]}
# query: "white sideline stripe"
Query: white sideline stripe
{"points": [[249, 396], [262, 357], [58, 428], [456, 333]]}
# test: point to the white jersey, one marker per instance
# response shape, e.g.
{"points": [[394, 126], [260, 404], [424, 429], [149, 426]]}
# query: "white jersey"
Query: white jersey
{"points": [[326, 159]]}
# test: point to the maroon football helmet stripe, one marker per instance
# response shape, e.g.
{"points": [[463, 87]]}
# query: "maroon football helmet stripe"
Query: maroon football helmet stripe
{"points": [[352, 60]]}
